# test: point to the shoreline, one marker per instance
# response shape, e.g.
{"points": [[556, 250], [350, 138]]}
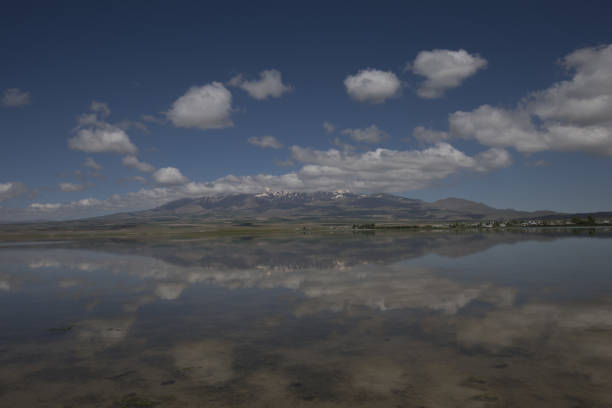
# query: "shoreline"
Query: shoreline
{"points": [[171, 232]]}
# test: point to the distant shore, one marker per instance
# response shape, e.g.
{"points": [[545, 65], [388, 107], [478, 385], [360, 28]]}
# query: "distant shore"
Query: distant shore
{"points": [[60, 231]]}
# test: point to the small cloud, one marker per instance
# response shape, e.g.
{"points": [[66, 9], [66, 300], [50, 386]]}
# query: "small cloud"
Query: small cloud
{"points": [[12, 189], [15, 98], [265, 141], [94, 135], [203, 107], [371, 134], [270, 84], [424, 135], [45, 206], [329, 127], [372, 85], [100, 108], [92, 164], [444, 69], [104, 139], [80, 204], [169, 176], [344, 146], [133, 162], [71, 187]]}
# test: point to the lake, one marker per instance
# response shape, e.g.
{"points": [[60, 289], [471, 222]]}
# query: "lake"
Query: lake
{"points": [[419, 319]]}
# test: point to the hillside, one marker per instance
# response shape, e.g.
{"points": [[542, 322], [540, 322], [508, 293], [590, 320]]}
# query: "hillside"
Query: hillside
{"points": [[286, 206]]}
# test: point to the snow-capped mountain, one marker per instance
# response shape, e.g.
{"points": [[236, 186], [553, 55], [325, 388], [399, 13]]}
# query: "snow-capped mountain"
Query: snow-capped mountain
{"points": [[284, 205]]}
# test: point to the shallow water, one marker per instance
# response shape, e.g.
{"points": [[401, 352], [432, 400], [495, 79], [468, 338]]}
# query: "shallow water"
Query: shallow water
{"points": [[438, 319]]}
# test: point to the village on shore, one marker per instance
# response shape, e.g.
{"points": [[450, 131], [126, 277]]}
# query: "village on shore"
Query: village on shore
{"points": [[589, 221]]}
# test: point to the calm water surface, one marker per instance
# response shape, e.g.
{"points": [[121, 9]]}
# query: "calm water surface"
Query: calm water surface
{"points": [[494, 319]]}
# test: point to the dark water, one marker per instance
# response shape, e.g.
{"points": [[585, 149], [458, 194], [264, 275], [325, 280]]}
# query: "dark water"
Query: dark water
{"points": [[492, 319]]}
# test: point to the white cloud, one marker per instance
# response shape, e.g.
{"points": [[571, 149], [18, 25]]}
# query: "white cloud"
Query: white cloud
{"points": [[372, 85], [390, 170], [105, 138], [492, 159], [498, 127], [100, 108], [15, 98], [374, 171], [270, 84], [92, 164], [424, 135], [444, 69], [329, 127], [133, 162], [371, 134], [169, 176], [571, 115], [12, 189], [347, 147], [265, 141], [94, 135], [585, 99], [203, 107], [73, 205], [71, 187], [47, 206]]}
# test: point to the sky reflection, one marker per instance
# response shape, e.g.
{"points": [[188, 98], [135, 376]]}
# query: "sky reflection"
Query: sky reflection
{"points": [[433, 319]]}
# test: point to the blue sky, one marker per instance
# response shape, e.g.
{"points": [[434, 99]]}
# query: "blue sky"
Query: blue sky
{"points": [[125, 105]]}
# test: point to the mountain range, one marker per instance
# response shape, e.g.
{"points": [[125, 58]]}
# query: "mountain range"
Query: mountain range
{"points": [[321, 206]]}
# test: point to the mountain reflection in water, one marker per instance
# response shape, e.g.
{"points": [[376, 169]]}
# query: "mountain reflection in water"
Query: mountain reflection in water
{"points": [[398, 320]]}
